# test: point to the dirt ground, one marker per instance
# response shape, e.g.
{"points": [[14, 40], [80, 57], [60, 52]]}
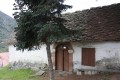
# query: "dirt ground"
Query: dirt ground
{"points": [[74, 76]]}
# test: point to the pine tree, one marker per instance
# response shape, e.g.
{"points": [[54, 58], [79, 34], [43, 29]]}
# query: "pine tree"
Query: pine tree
{"points": [[39, 22]]}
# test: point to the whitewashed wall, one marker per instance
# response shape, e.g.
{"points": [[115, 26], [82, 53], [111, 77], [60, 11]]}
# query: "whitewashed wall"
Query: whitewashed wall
{"points": [[102, 50], [32, 56]]}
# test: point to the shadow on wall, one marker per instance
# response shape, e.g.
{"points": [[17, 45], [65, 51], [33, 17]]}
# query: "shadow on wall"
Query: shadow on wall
{"points": [[4, 61]]}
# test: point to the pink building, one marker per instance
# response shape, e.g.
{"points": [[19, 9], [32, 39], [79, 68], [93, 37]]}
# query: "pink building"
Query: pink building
{"points": [[4, 59]]}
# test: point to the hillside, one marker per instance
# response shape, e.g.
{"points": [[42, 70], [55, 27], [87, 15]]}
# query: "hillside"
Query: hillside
{"points": [[7, 25]]}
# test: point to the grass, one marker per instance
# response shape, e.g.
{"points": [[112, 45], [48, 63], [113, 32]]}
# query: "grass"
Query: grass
{"points": [[20, 74]]}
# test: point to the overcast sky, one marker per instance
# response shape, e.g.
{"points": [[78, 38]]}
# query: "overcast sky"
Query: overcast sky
{"points": [[6, 6]]}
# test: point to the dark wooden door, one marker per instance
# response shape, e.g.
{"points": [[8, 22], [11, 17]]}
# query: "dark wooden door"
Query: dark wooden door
{"points": [[62, 59], [59, 60], [66, 60]]}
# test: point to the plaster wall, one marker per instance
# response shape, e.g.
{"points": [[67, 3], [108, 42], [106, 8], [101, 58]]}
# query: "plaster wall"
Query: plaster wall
{"points": [[102, 50], [4, 58], [29, 56]]}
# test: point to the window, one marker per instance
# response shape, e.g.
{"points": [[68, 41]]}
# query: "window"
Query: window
{"points": [[88, 56]]}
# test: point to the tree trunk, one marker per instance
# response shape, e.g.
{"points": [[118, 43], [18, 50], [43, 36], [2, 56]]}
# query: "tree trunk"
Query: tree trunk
{"points": [[50, 65]]}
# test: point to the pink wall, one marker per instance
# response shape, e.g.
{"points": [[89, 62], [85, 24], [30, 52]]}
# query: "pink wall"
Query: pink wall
{"points": [[4, 58]]}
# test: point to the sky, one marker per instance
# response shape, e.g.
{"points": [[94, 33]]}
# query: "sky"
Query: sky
{"points": [[6, 6]]}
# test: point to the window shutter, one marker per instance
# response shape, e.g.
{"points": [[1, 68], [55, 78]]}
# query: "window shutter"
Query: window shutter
{"points": [[88, 56]]}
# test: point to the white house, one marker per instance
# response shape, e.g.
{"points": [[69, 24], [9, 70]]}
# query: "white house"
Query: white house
{"points": [[30, 56], [99, 39]]}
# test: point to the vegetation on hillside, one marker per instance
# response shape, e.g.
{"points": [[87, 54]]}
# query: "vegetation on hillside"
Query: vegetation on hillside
{"points": [[7, 25]]}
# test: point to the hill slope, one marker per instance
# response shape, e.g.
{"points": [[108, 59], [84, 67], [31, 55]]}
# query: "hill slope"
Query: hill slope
{"points": [[7, 25]]}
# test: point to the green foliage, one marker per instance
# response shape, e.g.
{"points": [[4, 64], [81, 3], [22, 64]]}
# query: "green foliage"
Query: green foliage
{"points": [[39, 22]]}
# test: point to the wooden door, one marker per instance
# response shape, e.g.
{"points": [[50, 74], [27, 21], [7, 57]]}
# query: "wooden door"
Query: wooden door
{"points": [[59, 60], [66, 60], [62, 59]]}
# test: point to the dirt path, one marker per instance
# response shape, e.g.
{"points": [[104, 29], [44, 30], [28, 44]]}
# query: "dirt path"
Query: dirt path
{"points": [[73, 76]]}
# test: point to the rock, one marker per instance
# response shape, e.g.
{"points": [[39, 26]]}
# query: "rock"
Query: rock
{"points": [[43, 67], [35, 66], [35, 69], [39, 73]]}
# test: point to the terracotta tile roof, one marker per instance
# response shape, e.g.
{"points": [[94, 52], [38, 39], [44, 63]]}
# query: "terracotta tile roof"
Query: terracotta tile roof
{"points": [[97, 24]]}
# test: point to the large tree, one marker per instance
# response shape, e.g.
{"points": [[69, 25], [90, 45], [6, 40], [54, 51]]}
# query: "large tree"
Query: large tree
{"points": [[39, 22]]}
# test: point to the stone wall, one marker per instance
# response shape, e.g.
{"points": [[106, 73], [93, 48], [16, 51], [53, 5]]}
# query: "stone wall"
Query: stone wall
{"points": [[38, 68]]}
